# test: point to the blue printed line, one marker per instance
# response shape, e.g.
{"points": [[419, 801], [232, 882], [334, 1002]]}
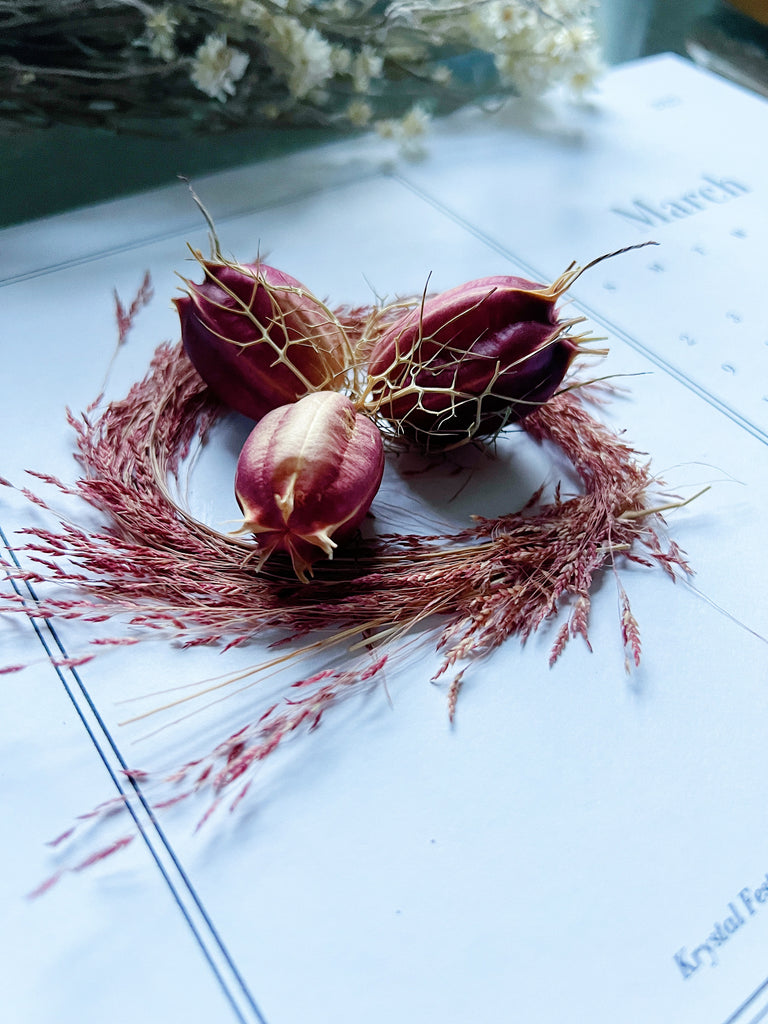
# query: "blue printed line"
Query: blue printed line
{"points": [[737, 1017], [235, 989], [184, 229]]}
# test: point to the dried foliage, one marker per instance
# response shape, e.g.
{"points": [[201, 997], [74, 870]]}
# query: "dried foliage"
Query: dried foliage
{"points": [[163, 570]]}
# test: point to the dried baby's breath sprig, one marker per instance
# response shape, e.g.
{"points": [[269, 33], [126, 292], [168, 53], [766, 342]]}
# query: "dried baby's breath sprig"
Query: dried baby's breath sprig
{"points": [[213, 65]]}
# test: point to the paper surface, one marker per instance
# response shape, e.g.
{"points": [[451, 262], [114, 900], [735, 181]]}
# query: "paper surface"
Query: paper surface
{"points": [[580, 844]]}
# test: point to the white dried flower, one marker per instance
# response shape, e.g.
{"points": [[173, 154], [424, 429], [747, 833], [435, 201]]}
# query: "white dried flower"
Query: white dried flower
{"points": [[341, 60], [366, 65], [529, 75], [415, 124], [409, 131], [539, 45], [216, 67], [359, 113], [498, 21], [160, 35], [387, 128], [583, 78], [301, 55]]}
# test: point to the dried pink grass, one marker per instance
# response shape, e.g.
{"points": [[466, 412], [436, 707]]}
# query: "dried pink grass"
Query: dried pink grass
{"points": [[496, 578], [163, 570]]}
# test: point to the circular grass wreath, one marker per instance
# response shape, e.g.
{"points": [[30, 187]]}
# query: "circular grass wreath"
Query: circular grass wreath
{"points": [[160, 567]]}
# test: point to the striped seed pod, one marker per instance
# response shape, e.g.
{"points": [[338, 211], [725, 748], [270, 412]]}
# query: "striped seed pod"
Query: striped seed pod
{"points": [[306, 478]]}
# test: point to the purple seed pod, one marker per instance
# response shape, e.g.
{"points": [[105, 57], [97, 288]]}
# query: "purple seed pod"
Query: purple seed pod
{"points": [[258, 337], [306, 477], [467, 362]]}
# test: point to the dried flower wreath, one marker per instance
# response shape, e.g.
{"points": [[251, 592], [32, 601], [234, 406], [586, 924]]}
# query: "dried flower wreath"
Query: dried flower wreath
{"points": [[163, 569]]}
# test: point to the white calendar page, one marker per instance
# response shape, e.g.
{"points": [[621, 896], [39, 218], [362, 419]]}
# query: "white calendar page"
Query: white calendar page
{"points": [[580, 844], [665, 155]]}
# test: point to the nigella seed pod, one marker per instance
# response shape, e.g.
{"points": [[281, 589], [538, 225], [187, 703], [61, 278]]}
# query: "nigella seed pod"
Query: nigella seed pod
{"points": [[467, 362], [258, 337], [306, 477]]}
